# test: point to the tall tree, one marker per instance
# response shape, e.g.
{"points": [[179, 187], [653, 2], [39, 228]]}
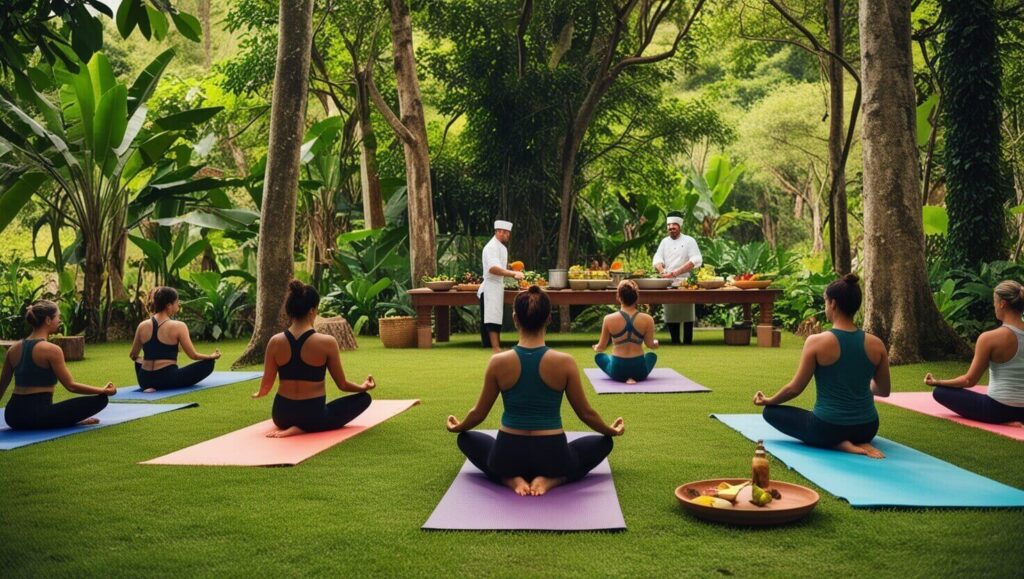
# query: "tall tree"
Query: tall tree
{"points": [[976, 189], [898, 304], [277, 213], [411, 129], [837, 152], [620, 51]]}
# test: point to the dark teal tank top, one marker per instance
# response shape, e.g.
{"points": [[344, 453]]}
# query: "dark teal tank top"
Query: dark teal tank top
{"points": [[529, 403], [844, 388], [27, 373], [631, 335]]}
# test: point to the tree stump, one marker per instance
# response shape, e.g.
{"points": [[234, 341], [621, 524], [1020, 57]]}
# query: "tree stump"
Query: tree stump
{"points": [[73, 346], [809, 327], [339, 328]]}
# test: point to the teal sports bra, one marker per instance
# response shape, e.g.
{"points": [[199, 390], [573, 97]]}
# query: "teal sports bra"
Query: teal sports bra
{"points": [[631, 335], [529, 403], [844, 388], [28, 373]]}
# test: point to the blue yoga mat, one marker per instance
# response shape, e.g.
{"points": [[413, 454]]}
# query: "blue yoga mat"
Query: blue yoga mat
{"points": [[112, 414], [904, 478], [212, 381]]}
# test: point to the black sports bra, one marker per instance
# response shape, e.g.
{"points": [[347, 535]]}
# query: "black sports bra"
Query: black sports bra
{"points": [[296, 369], [154, 349]]}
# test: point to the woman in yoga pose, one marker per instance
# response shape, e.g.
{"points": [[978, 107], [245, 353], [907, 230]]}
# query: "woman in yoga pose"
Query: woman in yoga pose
{"points": [[301, 357], [531, 454], [1002, 351], [628, 330], [36, 365], [158, 339], [849, 368]]}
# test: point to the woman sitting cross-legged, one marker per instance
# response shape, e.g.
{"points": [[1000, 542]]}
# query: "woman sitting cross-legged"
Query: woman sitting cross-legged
{"points": [[1002, 351], [301, 357], [531, 454], [36, 365], [849, 367], [629, 330], [158, 338]]}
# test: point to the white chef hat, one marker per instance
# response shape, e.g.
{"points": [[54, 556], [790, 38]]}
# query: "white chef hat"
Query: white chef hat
{"points": [[506, 225], [674, 219]]}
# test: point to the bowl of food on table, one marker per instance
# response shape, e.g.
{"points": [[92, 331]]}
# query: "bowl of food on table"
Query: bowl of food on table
{"points": [[532, 278], [599, 280], [617, 272], [750, 281], [439, 283], [707, 279], [578, 277], [654, 283], [468, 282]]}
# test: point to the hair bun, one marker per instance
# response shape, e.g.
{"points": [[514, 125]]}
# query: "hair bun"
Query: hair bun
{"points": [[296, 286], [533, 289], [851, 278]]}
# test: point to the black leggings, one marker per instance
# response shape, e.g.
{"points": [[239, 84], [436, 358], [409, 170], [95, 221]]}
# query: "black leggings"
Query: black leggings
{"points": [[314, 415], [805, 426], [512, 455], [38, 412], [171, 377], [977, 406]]}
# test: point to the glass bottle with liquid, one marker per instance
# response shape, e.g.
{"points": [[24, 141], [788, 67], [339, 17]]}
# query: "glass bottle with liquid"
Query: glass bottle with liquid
{"points": [[759, 467]]}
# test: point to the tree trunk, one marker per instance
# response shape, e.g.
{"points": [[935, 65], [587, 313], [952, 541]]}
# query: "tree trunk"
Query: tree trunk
{"points": [[92, 290], [115, 269], [277, 213], [203, 7], [422, 237], [369, 179], [837, 222], [235, 152], [898, 305], [976, 191]]}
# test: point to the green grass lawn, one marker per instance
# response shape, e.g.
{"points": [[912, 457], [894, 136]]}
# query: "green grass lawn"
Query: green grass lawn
{"points": [[80, 505]]}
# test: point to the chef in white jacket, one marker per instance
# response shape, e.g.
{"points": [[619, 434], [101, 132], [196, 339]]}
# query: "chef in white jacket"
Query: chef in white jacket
{"points": [[492, 290], [677, 255]]}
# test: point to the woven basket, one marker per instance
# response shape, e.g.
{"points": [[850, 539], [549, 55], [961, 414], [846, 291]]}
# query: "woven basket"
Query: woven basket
{"points": [[398, 332]]}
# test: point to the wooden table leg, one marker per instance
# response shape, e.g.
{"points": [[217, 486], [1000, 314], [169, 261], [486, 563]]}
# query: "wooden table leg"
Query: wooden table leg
{"points": [[423, 337], [765, 327], [443, 317], [747, 317]]}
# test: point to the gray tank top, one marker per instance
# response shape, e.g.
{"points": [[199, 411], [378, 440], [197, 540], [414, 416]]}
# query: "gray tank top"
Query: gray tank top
{"points": [[1006, 380]]}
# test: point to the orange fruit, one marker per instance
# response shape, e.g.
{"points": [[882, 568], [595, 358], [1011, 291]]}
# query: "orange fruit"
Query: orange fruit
{"points": [[516, 266]]}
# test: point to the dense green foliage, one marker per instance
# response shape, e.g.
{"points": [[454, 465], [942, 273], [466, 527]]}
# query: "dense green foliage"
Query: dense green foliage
{"points": [[976, 187]]}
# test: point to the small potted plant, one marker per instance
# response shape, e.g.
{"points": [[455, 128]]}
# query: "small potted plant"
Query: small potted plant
{"points": [[737, 333]]}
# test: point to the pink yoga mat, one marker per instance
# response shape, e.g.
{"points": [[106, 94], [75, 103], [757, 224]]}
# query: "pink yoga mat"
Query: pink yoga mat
{"points": [[924, 403], [251, 447]]}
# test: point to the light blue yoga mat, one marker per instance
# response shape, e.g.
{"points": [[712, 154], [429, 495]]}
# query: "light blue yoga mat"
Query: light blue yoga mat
{"points": [[112, 414], [904, 478], [212, 381]]}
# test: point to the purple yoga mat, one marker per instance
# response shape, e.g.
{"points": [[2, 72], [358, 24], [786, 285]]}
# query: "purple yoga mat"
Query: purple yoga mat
{"points": [[474, 503], [660, 381]]}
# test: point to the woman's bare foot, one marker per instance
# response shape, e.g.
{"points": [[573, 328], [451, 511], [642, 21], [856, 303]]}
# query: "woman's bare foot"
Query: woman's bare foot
{"points": [[149, 390], [89, 421], [872, 451], [291, 431], [862, 449], [519, 485], [543, 484], [631, 381]]}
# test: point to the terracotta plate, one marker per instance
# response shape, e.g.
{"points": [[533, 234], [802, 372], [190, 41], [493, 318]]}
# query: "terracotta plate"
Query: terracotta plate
{"points": [[796, 502]]}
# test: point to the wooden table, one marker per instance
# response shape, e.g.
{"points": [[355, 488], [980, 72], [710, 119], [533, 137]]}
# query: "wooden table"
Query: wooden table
{"points": [[437, 304]]}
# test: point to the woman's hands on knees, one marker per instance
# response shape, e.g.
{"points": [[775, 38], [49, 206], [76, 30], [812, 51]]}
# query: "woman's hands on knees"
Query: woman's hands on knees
{"points": [[618, 427], [453, 424]]}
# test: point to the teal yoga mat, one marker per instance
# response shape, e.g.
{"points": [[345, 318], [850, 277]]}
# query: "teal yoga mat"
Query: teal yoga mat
{"points": [[904, 478], [109, 416], [212, 381]]}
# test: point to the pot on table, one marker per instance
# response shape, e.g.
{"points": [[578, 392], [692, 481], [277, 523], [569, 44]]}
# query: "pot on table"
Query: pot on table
{"points": [[558, 278]]}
